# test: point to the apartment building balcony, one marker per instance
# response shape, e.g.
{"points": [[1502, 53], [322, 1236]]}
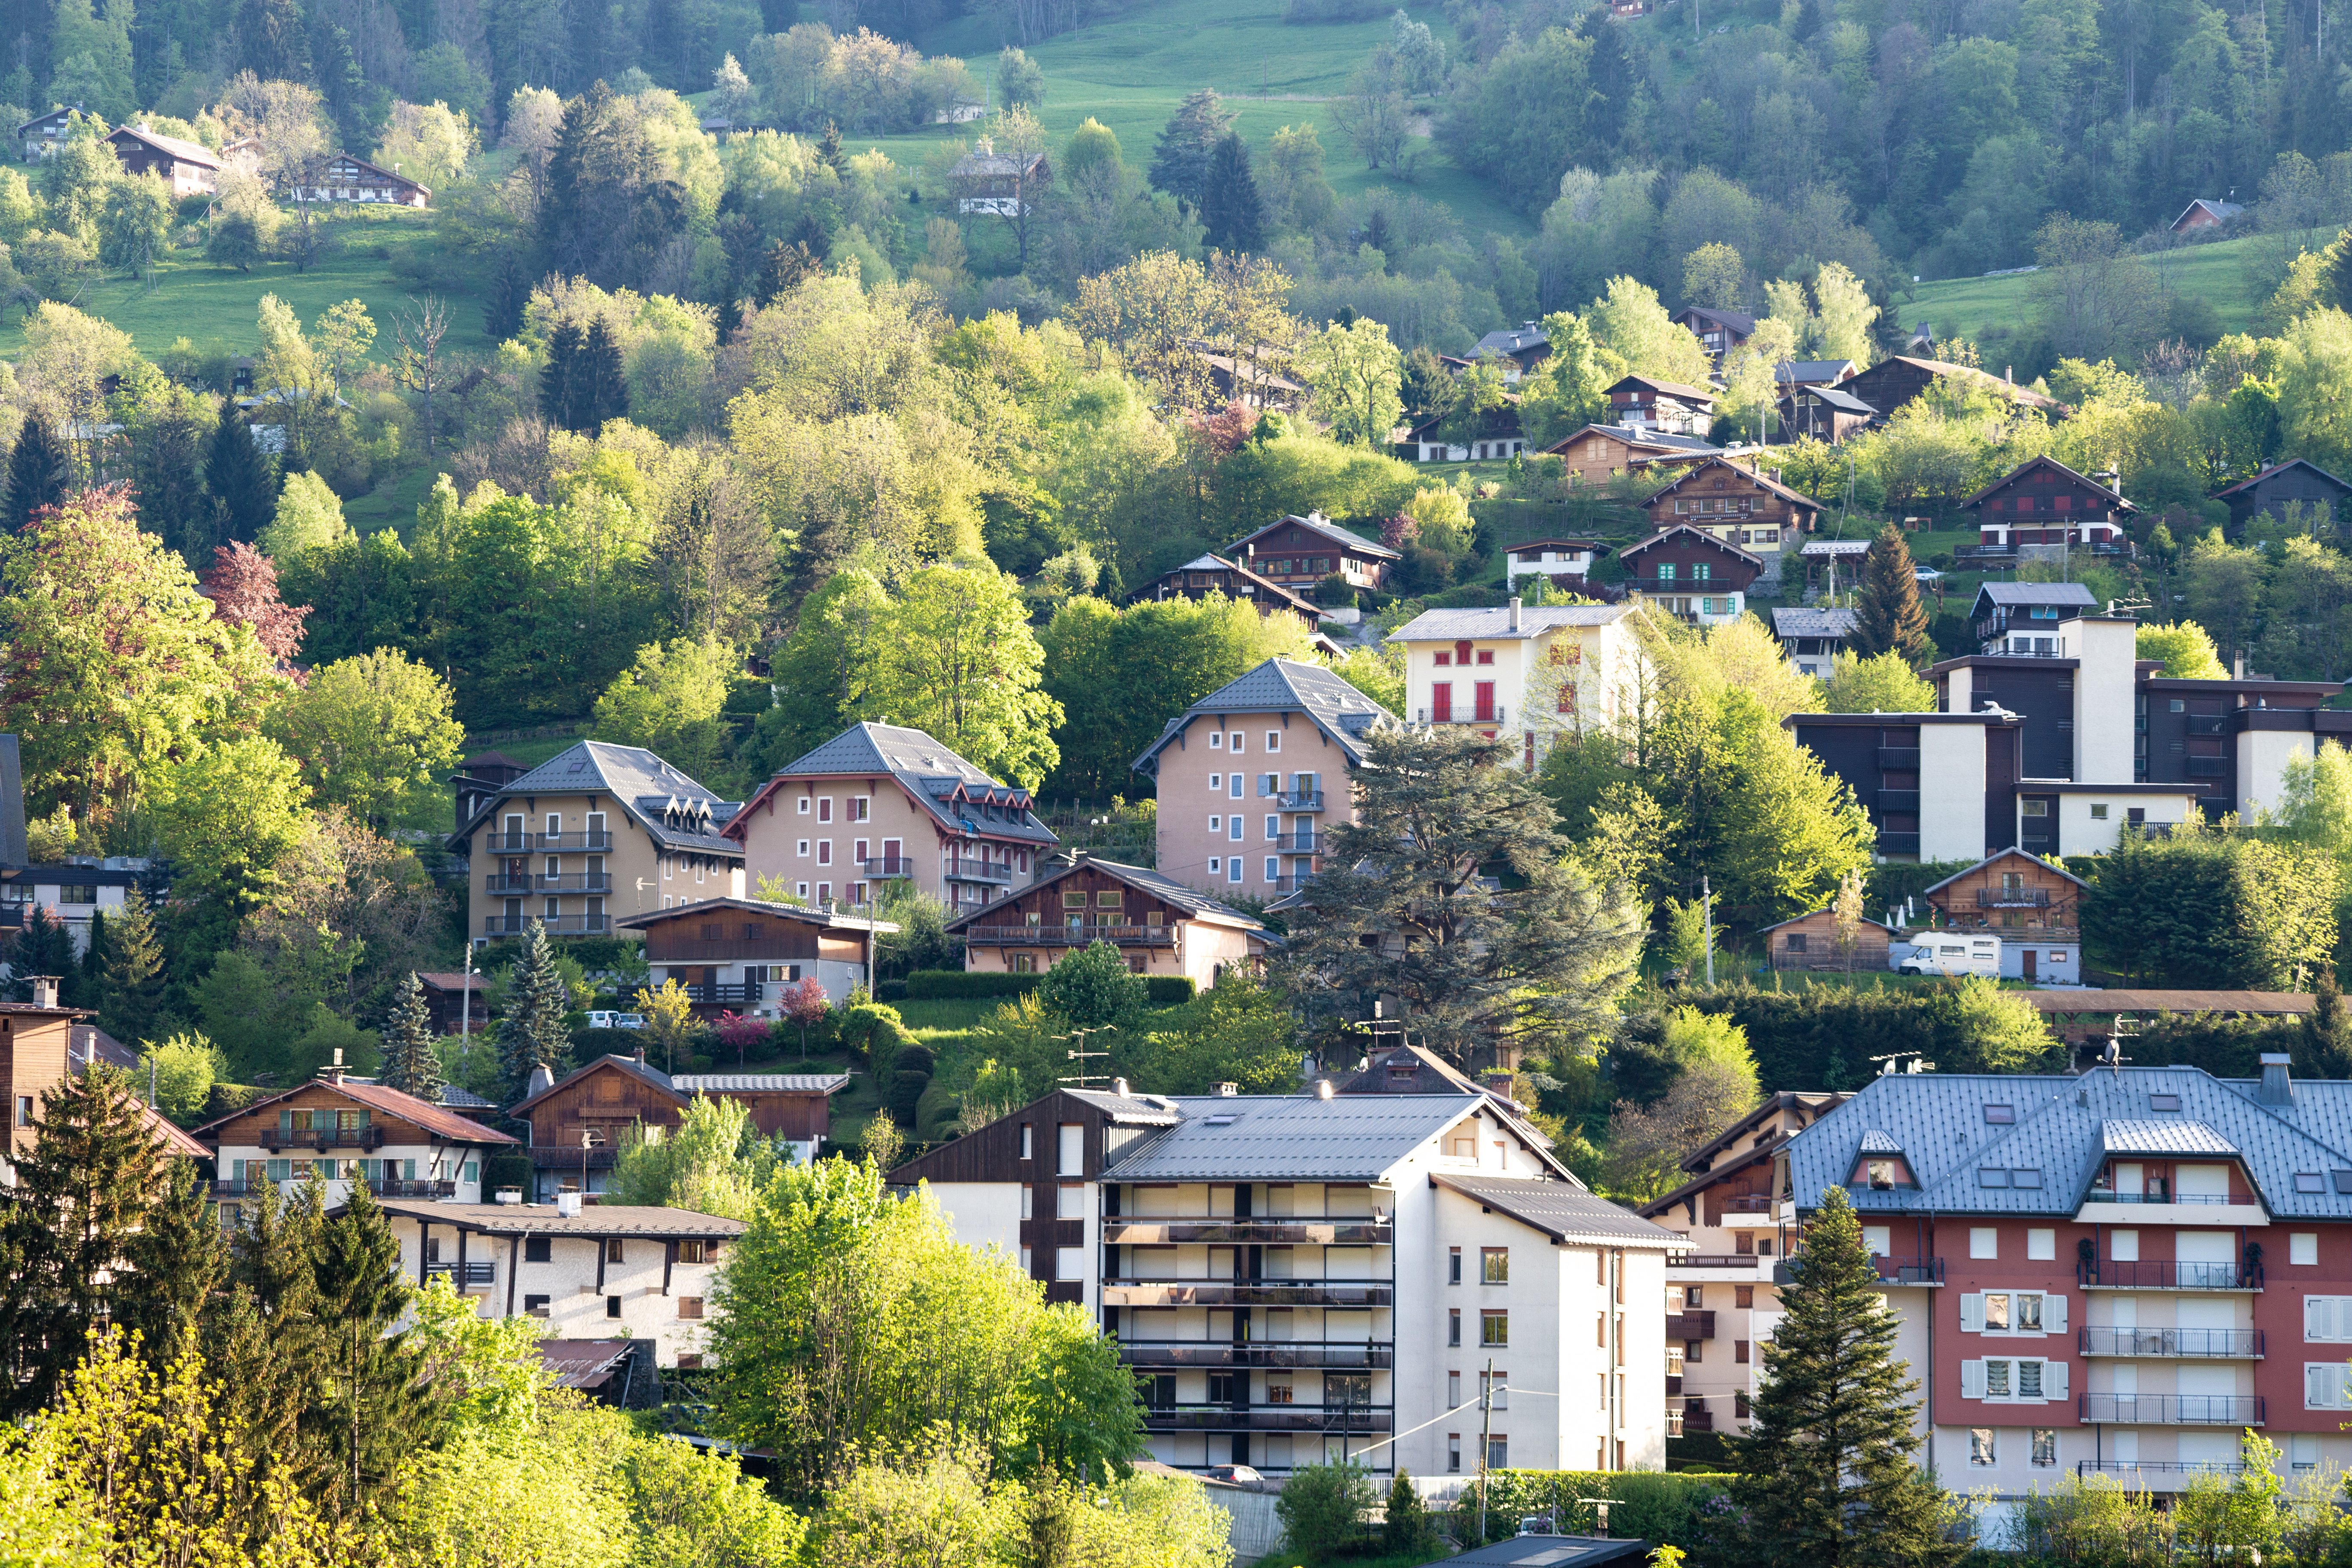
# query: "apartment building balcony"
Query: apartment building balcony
{"points": [[574, 882], [499, 882], [397, 1189], [1298, 800], [886, 866], [2184, 1344], [1898, 844], [711, 992], [321, 1139], [2013, 898], [1298, 844], [2112, 1275], [1219, 1232], [463, 1274], [524, 843], [1690, 1325], [1910, 1270], [554, 925], [1372, 1419], [1070, 935], [1248, 1293], [1748, 1202], [1746, 1262], [2159, 1468], [225, 1190], [1354, 1355], [999, 872], [2209, 767], [1899, 800], [1493, 713], [1682, 1423], [1898, 759], [2172, 1409], [1293, 884]]}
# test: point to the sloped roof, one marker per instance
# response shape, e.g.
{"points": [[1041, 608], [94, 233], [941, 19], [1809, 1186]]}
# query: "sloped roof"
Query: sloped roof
{"points": [[1511, 340], [1291, 1137], [2009, 389], [705, 907], [436, 1120], [1667, 441], [362, 166], [824, 1083], [1318, 523], [1481, 625], [647, 788], [1265, 585], [1743, 325], [2176, 1135], [1834, 549], [1283, 686], [1557, 542], [1131, 1110], [181, 152], [2003, 596], [2011, 853], [173, 1139], [2277, 468], [1198, 906], [948, 787], [1811, 623], [1844, 402], [652, 1077], [1665, 533], [2045, 461], [1752, 475], [1675, 389], [542, 1219], [1809, 914], [1565, 1211], [1813, 372], [2220, 209]]}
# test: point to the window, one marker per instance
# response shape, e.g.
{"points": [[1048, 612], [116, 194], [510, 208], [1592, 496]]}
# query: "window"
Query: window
{"points": [[1495, 1386], [1237, 751], [1216, 822], [1069, 1263], [861, 808], [825, 809], [1454, 1453], [1739, 1352], [613, 1251], [1453, 1266], [1216, 784], [2041, 1245], [692, 1250], [24, 1110], [802, 845], [1494, 1266], [1453, 1326], [689, 1306], [2034, 808], [538, 1250], [1444, 659], [2303, 1247], [1234, 866], [2026, 1382], [1999, 1115], [1485, 655], [804, 805], [2164, 1103], [1452, 1390], [2309, 1181], [1215, 865], [2327, 1385], [534, 1306], [1233, 790], [2098, 813], [73, 893], [612, 1306], [1028, 1147], [1743, 1295], [1494, 1327], [1984, 1241], [1274, 739], [1498, 1452], [1070, 1202]]}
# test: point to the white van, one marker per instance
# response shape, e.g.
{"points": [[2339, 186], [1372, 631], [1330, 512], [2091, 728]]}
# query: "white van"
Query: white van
{"points": [[1949, 952], [616, 1020]]}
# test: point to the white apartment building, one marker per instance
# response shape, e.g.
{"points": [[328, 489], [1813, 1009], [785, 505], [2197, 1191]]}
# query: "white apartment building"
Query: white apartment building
{"points": [[1298, 1277], [1522, 673]]}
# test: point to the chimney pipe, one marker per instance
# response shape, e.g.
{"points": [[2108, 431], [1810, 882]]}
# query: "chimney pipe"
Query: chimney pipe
{"points": [[1514, 615], [44, 990], [2277, 1086]]}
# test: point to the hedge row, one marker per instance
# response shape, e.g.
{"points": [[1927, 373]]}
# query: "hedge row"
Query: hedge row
{"points": [[937, 985], [1660, 1506], [1168, 990]]}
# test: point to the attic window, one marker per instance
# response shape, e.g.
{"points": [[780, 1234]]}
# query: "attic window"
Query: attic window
{"points": [[2164, 1103], [2308, 1181], [1991, 1176], [2342, 1180], [2025, 1176], [2000, 1115]]}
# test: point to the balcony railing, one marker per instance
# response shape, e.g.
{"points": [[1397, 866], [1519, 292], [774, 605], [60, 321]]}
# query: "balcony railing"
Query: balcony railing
{"points": [[1269, 1418], [321, 1139], [463, 1274], [1899, 800], [1498, 714], [1342, 1353], [576, 882], [1248, 1293], [554, 925], [1750, 1203], [397, 1189], [1910, 1270], [1298, 844], [2114, 1275], [1071, 936], [980, 871], [1983, 552], [523, 843], [1690, 1325], [1899, 759], [888, 866], [2209, 767], [2174, 1409], [717, 991], [1691, 1420], [1213, 1232], [2100, 1195], [229, 1189], [2013, 898], [1898, 843], [1292, 884], [1298, 800], [1716, 1260], [2158, 1466], [499, 883], [2206, 1344]]}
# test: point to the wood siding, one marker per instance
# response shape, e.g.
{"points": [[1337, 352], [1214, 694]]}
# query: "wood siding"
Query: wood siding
{"points": [[719, 935], [32, 1061], [323, 1103], [2000, 895], [605, 1099]]}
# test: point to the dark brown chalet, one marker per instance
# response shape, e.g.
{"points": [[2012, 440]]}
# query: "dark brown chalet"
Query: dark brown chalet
{"points": [[2281, 485], [1734, 1173], [1598, 453], [1717, 331], [1216, 575], [612, 1094], [1053, 1151], [185, 167], [1737, 504], [1299, 551], [1828, 414], [2044, 502], [1159, 925], [1891, 382], [1681, 562], [1651, 404], [735, 952]]}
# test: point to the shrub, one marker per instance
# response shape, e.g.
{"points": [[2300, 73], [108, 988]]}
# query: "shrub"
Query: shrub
{"points": [[906, 1097], [1659, 1507], [1322, 1508], [940, 985], [870, 1033], [913, 1056], [1094, 988], [1335, 591], [1168, 990], [507, 1171]]}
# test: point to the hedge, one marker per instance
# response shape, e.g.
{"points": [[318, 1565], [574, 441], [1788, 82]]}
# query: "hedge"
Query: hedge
{"points": [[507, 1171], [1168, 990], [939, 984], [1662, 1508]]}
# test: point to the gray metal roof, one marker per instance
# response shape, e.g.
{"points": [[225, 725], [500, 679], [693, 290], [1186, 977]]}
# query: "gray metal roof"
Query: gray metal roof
{"points": [[1199, 906], [672, 808], [1813, 623], [1814, 371], [541, 1219], [1565, 1211], [1511, 340], [1283, 686], [1315, 522], [827, 919], [1292, 1137], [2037, 593], [1877, 1141], [1494, 625], [1821, 547], [2060, 1135], [826, 1083], [928, 771], [1131, 1110]]}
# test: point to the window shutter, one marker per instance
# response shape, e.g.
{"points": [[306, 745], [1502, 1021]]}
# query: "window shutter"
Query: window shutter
{"points": [[2316, 1390], [2053, 1314], [2053, 1379], [1972, 1313], [2312, 1322], [1972, 1379]]}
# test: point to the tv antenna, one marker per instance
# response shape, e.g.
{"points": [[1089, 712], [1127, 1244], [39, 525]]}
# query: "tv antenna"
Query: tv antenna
{"points": [[1919, 1064], [1080, 1055]]}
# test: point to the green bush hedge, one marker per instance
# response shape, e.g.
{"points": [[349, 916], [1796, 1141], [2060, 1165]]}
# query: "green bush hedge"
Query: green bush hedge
{"points": [[507, 1171], [1659, 1507], [939, 984], [1168, 990]]}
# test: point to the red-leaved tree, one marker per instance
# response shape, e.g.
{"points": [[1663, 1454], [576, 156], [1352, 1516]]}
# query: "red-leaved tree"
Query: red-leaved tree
{"points": [[1222, 434], [805, 1003], [243, 587], [742, 1033]]}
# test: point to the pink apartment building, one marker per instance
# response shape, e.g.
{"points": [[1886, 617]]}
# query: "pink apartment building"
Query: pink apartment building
{"points": [[1250, 777], [877, 803]]}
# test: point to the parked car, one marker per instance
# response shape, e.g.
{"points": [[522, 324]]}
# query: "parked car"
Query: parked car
{"points": [[1947, 952], [616, 1020], [1238, 1475], [1537, 1524]]}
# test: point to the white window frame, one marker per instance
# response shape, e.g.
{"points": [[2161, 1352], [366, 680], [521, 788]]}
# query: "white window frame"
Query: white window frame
{"points": [[1979, 1379]]}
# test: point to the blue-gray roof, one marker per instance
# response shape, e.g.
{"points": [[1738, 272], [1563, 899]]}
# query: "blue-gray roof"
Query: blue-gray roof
{"points": [[1494, 625], [2036, 593], [1283, 686], [1565, 1211], [1811, 623], [1291, 1137], [2064, 1128], [674, 810], [952, 789]]}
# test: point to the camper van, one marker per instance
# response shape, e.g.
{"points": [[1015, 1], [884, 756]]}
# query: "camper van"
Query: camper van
{"points": [[1947, 952]]}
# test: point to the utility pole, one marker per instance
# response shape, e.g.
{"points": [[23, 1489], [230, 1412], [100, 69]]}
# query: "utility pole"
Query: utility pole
{"points": [[1485, 1441], [1706, 909]]}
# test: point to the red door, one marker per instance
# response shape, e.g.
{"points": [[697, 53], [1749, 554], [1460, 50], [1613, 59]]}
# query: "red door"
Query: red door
{"points": [[1485, 700], [2027, 957], [1441, 702]]}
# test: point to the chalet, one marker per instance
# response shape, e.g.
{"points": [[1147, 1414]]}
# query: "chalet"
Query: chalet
{"points": [[1299, 551], [1159, 926], [42, 135], [880, 803], [1598, 453], [70, 893], [623, 1272], [1250, 374], [1562, 563], [1695, 575], [451, 994], [737, 952], [1717, 331], [997, 184], [1828, 414], [1496, 435], [2042, 507], [1800, 373], [2031, 904], [1738, 505], [349, 1133], [1520, 348], [41, 1044], [1812, 639], [577, 1120], [2009, 616], [1214, 575], [1891, 382], [1811, 942], [2281, 484], [343, 178], [2204, 213], [1662, 405], [185, 168]]}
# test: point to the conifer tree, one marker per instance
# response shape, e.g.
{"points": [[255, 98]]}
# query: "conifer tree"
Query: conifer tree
{"points": [[241, 478], [36, 472], [180, 1259], [829, 146], [262, 1339], [532, 1033], [1826, 1471], [1179, 158], [601, 382], [785, 267], [44, 948], [558, 380], [411, 1065], [87, 980], [83, 1191], [374, 1410], [1231, 210], [1888, 616], [2326, 1033], [131, 997]]}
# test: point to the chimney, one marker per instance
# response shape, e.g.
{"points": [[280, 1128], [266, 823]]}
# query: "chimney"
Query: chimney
{"points": [[1323, 1089], [539, 1081], [641, 1056], [1228, 1090], [1118, 1086], [2277, 1087], [333, 1071], [12, 804], [44, 990], [1514, 615], [567, 1205]]}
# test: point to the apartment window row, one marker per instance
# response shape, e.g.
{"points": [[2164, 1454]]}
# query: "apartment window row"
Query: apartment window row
{"points": [[854, 809], [2012, 1312], [2025, 1380], [1984, 1445], [1234, 741], [1494, 1266]]}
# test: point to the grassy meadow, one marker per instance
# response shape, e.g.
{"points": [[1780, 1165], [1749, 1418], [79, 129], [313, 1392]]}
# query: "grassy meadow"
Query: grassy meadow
{"points": [[2226, 275]]}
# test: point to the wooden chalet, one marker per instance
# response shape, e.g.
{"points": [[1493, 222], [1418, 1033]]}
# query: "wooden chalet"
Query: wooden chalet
{"points": [[1811, 942], [2272, 490], [1158, 925], [343, 178], [1563, 562], [185, 168], [1300, 551], [732, 954], [1212, 573], [1828, 414], [1519, 349], [38, 1052], [1736, 504], [2205, 212], [1692, 574], [1732, 1172], [997, 184], [1598, 453], [1717, 331], [42, 135], [1662, 405], [1498, 434], [1891, 382], [2043, 503], [612, 1094], [2010, 892], [450, 995]]}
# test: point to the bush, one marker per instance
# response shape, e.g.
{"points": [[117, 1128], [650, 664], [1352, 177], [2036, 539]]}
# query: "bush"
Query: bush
{"points": [[1093, 988], [1335, 591], [941, 985], [1469, 596], [1168, 990], [870, 1033], [507, 1171], [913, 1056], [1322, 1508], [890, 990], [906, 1097], [1661, 1507]]}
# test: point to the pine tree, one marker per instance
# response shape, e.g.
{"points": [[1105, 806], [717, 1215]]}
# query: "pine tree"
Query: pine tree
{"points": [[1231, 210], [87, 980], [785, 267], [83, 1191], [1889, 617], [1407, 1531], [374, 1408], [36, 472], [510, 295], [532, 1033], [604, 381], [829, 146], [1826, 1471], [411, 1065], [559, 391], [132, 995], [243, 481], [45, 947], [179, 1257], [1180, 158], [2326, 1033]]}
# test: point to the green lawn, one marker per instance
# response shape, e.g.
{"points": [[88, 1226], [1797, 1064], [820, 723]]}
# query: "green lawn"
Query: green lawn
{"points": [[1966, 307]]}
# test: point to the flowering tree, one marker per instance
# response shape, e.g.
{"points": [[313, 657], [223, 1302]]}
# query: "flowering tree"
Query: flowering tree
{"points": [[805, 1003], [736, 1030], [243, 586]]}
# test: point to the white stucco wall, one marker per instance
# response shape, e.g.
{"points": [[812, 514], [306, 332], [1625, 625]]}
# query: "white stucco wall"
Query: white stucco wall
{"points": [[2262, 765], [1951, 792], [2104, 704], [2080, 833], [576, 1309]]}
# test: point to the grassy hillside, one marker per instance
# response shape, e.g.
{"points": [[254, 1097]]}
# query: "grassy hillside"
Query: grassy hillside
{"points": [[1964, 306]]}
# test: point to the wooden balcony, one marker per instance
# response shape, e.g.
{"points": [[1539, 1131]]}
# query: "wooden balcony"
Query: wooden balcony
{"points": [[397, 1189], [276, 1140], [1070, 936], [1690, 1325], [1346, 1354]]}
